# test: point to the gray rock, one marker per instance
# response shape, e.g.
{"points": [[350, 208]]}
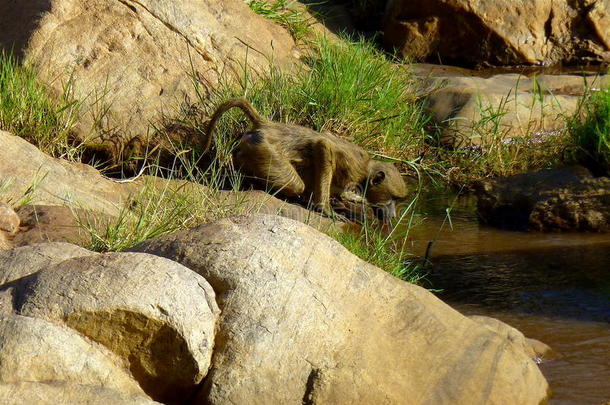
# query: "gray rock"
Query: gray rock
{"points": [[31, 174], [23, 261]]}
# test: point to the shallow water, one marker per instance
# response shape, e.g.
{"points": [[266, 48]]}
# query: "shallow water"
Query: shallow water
{"points": [[553, 287]]}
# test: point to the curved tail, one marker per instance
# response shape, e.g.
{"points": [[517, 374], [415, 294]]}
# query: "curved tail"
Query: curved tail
{"points": [[242, 103]]}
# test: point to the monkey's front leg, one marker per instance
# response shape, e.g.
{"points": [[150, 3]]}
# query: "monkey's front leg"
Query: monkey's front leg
{"points": [[324, 167]]}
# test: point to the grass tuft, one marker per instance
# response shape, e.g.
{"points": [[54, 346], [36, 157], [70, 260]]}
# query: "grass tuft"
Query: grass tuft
{"points": [[384, 250], [297, 22], [590, 133], [350, 89], [27, 110], [385, 245]]}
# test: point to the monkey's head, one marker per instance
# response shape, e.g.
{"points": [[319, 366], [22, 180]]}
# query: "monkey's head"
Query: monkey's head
{"points": [[384, 188]]}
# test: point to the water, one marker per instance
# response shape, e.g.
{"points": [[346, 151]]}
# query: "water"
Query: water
{"points": [[553, 287]]}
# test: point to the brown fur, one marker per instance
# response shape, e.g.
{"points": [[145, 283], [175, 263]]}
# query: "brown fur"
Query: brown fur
{"points": [[301, 162]]}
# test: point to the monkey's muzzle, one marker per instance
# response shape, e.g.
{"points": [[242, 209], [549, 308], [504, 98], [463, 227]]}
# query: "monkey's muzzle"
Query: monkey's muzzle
{"points": [[385, 212]]}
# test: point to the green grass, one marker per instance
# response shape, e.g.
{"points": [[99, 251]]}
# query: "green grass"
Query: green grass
{"points": [[27, 110], [183, 197], [297, 22], [499, 154], [590, 131], [384, 246], [350, 89]]}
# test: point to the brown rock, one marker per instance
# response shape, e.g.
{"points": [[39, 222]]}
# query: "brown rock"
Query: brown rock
{"points": [[38, 351], [552, 200], [156, 315], [53, 393], [9, 220], [500, 32], [305, 321], [35, 177], [47, 223], [137, 58]]}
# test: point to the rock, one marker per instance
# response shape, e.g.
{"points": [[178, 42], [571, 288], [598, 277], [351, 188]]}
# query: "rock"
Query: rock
{"points": [[24, 261], [503, 108], [9, 220], [500, 32], [33, 176], [256, 201], [5, 242], [305, 321], [66, 394], [156, 315], [130, 62], [533, 348], [18, 263], [38, 351], [60, 193], [552, 200], [48, 223], [225, 203]]}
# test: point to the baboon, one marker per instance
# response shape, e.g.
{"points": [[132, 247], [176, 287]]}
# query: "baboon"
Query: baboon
{"points": [[309, 165]]}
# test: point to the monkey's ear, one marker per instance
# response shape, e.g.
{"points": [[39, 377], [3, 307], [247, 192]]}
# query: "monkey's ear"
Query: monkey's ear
{"points": [[378, 178]]}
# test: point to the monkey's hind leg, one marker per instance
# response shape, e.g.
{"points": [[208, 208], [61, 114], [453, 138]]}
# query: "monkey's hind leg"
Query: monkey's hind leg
{"points": [[260, 159]]}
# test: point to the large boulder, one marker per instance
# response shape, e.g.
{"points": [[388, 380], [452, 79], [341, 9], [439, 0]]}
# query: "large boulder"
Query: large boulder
{"points": [[54, 393], [157, 316], [305, 321], [38, 351], [536, 349], [553, 200], [500, 32], [129, 62]]}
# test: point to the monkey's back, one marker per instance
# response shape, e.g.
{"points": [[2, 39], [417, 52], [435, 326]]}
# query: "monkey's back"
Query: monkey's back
{"points": [[298, 145]]}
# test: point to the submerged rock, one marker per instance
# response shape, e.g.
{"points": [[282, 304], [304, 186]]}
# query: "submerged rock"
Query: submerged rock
{"points": [[552, 200], [500, 32], [305, 321]]}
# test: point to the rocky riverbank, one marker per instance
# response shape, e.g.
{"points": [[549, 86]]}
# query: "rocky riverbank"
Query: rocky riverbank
{"points": [[157, 276]]}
